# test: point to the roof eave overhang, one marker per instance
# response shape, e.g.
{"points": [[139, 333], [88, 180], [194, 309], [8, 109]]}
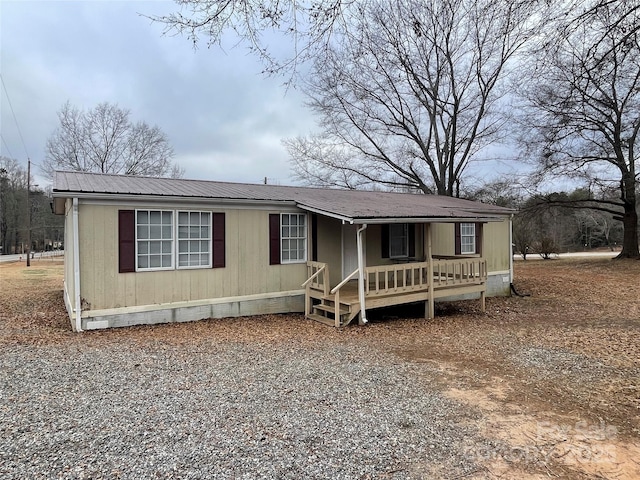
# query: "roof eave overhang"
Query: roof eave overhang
{"points": [[325, 213], [127, 198], [484, 218], [481, 219]]}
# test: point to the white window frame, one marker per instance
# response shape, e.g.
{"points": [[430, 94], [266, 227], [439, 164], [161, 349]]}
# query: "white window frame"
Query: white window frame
{"points": [[199, 239], [296, 238], [161, 239], [406, 240], [470, 247], [175, 241]]}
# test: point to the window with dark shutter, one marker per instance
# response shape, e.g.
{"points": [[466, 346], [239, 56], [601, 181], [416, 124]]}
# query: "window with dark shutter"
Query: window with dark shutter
{"points": [[274, 239], [398, 240], [412, 240], [218, 241], [314, 237], [384, 240], [467, 238], [126, 241], [479, 238]]}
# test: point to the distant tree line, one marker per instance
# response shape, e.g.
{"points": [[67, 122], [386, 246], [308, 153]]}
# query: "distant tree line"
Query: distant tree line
{"points": [[47, 229], [557, 222]]}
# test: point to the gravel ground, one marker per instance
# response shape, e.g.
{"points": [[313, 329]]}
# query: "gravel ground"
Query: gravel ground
{"points": [[223, 410]]}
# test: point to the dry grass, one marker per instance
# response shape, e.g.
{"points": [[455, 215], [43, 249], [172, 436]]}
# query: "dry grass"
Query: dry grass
{"points": [[555, 374]]}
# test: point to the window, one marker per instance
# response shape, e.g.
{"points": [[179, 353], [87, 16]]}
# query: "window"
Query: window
{"points": [[154, 239], [146, 240], [398, 240], [293, 237], [467, 238], [194, 239]]}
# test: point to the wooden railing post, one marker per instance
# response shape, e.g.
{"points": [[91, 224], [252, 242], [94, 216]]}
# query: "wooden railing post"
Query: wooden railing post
{"points": [[325, 281], [430, 280], [336, 302]]}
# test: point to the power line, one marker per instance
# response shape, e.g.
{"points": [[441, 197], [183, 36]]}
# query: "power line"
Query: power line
{"points": [[14, 115], [6, 147]]}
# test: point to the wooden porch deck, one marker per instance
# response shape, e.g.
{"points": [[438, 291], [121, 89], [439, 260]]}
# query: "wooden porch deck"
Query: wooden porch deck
{"points": [[390, 285]]}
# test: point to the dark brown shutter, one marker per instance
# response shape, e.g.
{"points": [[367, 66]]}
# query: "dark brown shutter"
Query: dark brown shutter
{"points": [[458, 239], [479, 238], [314, 237], [218, 240], [412, 239], [126, 241], [384, 240], [274, 239]]}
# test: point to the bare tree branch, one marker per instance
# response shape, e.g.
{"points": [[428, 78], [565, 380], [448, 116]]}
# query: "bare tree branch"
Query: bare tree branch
{"points": [[412, 90]]}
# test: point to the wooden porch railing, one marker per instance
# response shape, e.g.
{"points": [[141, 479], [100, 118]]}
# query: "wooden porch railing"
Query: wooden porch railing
{"points": [[459, 271], [413, 277], [400, 278], [336, 292], [396, 281], [318, 277]]}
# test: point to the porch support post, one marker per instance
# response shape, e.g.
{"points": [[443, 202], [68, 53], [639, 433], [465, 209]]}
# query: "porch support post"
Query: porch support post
{"points": [[76, 266], [429, 307], [361, 272], [511, 279]]}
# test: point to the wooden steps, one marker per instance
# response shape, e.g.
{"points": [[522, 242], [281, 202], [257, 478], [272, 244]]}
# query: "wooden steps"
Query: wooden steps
{"points": [[332, 309], [325, 312], [322, 319]]}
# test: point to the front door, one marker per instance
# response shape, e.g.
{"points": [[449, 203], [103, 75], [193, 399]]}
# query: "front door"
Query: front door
{"points": [[349, 249]]}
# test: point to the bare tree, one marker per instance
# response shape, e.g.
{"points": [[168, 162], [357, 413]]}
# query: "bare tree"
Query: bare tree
{"points": [[309, 26], [585, 111], [411, 93], [621, 10], [104, 140]]}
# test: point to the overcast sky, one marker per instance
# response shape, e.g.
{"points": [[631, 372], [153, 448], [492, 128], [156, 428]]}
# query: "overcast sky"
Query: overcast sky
{"points": [[224, 119]]}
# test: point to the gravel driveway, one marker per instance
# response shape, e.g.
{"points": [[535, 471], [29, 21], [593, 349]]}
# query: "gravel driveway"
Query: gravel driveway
{"points": [[212, 407], [536, 387]]}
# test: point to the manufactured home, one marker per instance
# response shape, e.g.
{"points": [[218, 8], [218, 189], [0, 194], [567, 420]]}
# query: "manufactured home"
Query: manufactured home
{"points": [[142, 250]]}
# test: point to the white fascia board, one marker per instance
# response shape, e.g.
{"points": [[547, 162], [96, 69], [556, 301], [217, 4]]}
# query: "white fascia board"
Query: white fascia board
{"points": [[325, 213], [360, 221], [383, 220], [165, 200]]}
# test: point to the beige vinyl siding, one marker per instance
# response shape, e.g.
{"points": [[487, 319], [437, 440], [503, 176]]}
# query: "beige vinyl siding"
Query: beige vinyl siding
{"points": [[330, 247], [246, 272], [495, 246], [443, 239], [374, 248], [495, 243]]}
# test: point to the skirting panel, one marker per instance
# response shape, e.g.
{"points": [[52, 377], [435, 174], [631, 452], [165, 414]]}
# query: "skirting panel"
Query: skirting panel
{"points": [[498, 285], [168, 314]]}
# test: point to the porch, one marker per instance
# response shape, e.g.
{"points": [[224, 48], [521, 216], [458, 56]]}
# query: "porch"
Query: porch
{"points": [[388, 285]]}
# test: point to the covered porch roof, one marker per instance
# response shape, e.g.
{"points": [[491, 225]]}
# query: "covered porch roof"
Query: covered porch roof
{"points": [[351, 206]]}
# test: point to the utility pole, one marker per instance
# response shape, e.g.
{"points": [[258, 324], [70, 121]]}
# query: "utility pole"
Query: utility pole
{"points": [[28, 213]]}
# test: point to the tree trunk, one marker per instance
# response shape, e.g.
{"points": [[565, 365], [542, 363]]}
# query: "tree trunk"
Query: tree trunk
{"points": [[630, 240]]}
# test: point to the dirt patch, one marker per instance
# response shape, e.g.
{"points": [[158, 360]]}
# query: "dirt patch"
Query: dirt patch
{"points": [[552, 380], [555, 376]]}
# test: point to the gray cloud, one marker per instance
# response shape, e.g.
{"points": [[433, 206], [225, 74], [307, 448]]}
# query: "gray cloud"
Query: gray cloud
{"points": [[224, 119]]}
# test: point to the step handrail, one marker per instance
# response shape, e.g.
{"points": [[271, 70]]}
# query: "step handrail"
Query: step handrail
{"points": [[343, 282], [312, 277]]}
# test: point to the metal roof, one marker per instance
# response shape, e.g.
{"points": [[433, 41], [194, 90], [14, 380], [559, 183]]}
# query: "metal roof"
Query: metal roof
{"points": [[356, 206]]}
